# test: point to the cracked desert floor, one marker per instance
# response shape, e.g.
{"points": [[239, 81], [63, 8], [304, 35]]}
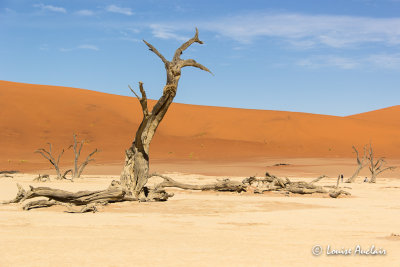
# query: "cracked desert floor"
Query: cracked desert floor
{"points": [[203, 228]]}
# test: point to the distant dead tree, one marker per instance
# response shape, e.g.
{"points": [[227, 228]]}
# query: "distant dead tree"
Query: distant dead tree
{"points": [[376, 167], [360, 164], [78, 169], [49, 156], [42, 178]]}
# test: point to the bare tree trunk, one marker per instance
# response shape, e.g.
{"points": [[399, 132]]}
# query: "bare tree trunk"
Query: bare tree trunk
{"points": [[377, 167], [135, 173], [49, 156], [78, 169], [360, 165]]}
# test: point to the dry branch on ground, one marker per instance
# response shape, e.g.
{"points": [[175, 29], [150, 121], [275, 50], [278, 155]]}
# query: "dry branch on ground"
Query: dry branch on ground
{"points": [[7, 174]]}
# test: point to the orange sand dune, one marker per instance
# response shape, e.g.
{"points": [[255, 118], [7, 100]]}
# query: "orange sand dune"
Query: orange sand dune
{"points": [[32, 115], [389, 116]]}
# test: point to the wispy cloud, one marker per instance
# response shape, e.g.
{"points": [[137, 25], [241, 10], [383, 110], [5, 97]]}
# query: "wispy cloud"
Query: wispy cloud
{"points": [[89, 47], [51, 8], [166, 32], [121, 10], [44, 47], [9, 10], [387, 61], [85, 12], [328, 61], [83, 46], [127, 34], [299, 30], [332, 31], [374, 61]]}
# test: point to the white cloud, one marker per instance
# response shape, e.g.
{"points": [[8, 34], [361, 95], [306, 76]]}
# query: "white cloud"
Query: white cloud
{"points": [[166, 32], [89, 47], [332, 31], [130, 39], [44, 47], [373, 61], [387, 61], [128, 33], [65, 49], [329, 61], [51, 8], [299, 30], [121, 10], [83, 46], [84, 12]]}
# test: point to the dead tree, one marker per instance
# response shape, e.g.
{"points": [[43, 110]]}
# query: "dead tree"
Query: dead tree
{"points": [[78, 169], [376, 167], [49, 156], [42, 178], [360, 165], [135, 173]]}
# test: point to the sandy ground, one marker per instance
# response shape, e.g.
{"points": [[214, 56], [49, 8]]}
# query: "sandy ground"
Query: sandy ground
{"points": [[203, 228]]}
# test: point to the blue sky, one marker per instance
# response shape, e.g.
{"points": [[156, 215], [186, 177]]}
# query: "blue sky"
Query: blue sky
{"points": [[329, 57]]}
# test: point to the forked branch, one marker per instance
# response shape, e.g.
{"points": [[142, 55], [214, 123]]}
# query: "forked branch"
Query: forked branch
{"points": [[78, 169], [86, 162], [143, 99], [360, 164], [49, 156], [193, 63], [376, 167], [173, 67], [184, 46], [155, 51]]}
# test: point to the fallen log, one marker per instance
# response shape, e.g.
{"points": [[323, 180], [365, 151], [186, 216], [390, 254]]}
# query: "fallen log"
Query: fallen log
{"points": [[114, 193], [220, 185]]}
